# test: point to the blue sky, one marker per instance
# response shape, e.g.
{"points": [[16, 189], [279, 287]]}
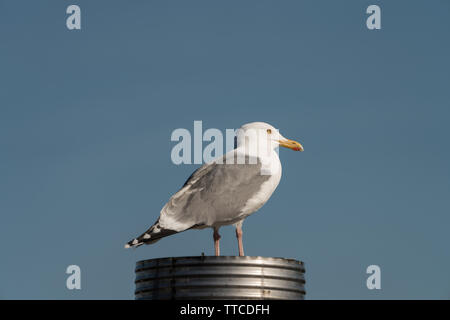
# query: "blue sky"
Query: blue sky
{"points": [[86, 118]]}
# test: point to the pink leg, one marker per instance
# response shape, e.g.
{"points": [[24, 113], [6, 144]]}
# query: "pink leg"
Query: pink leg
{"points": [[216, 237], [239, 237]]}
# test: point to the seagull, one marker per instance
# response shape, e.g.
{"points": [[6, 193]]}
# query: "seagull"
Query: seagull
{"points": [[227, 190]]}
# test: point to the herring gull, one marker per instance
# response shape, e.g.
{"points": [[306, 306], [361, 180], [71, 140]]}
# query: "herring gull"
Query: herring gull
{"points": [[226, 190]]}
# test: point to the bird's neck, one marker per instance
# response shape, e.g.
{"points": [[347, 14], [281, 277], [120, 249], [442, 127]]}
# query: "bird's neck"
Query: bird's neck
{"points": [[270, 162]]}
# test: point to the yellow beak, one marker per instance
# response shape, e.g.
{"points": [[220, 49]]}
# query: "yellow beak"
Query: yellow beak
{"points": [[291, 144]]}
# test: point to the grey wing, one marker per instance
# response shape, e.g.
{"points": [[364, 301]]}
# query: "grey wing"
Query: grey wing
{"points": [[214, 194]]}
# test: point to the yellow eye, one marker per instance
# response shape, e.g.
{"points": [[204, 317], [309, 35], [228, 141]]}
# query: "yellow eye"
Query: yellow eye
{"points": [[269, 131]]}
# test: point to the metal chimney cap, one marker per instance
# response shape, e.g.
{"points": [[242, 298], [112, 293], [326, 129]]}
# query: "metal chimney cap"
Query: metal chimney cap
{"points": [[222, 277]]}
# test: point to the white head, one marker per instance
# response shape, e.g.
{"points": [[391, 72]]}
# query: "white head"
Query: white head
{"points": [[263, 136]]}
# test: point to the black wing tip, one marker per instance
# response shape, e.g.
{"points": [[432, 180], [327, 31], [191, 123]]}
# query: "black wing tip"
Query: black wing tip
{"points": [[133, 243]]}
